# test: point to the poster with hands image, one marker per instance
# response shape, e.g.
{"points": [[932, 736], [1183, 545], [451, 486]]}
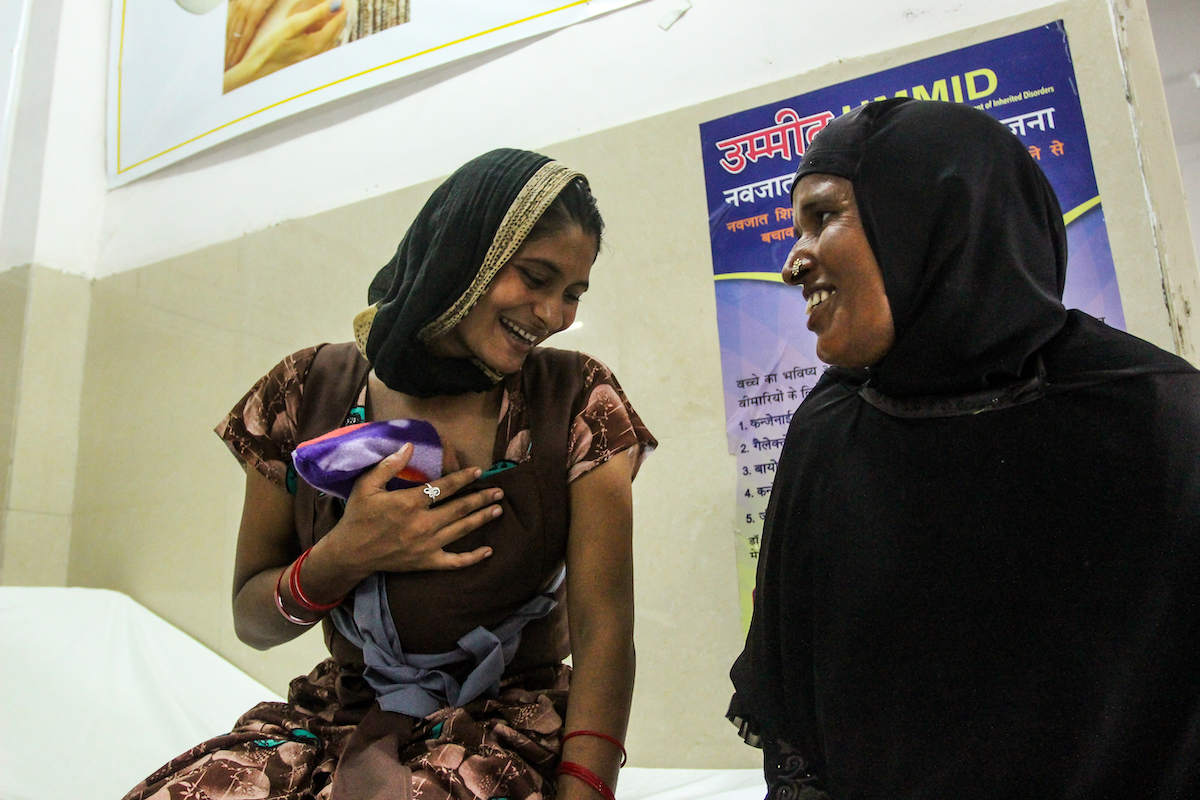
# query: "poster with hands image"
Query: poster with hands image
{"points": [[189, 74], [262, 36]]}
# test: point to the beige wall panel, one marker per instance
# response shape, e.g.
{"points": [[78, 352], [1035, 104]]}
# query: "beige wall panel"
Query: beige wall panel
{"points": [[51, 378], [174, 345], [35, 548], [14, 292], [172, 348], [43, 445]]}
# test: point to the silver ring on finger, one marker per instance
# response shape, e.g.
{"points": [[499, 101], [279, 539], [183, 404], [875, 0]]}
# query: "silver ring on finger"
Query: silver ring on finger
{"points": [[431, 491]]}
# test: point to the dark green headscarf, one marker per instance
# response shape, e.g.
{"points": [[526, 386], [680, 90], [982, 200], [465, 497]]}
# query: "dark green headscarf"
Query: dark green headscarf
{"points": [[469, 228]]}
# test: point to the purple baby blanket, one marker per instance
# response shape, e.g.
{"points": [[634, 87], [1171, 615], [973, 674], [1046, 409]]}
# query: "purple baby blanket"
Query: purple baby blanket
{"points": [[333, 462]]}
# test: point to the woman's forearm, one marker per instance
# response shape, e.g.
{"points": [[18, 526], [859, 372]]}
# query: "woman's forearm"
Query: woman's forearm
{"points": [[324, 578], [600, 594], [256, 619], [601, 693]]}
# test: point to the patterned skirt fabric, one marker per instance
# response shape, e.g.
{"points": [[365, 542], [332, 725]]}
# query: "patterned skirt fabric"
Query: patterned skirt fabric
{"points": [[507, 747]]}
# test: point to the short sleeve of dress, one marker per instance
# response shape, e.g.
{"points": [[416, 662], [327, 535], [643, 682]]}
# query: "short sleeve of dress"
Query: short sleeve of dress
{"points": [[606, 423], [260, 430]]}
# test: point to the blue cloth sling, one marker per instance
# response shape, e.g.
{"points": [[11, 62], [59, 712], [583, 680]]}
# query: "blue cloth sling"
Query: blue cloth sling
{"points": [[414, 684]]}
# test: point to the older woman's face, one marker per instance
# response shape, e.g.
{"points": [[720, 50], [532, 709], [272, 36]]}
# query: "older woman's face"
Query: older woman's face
{"points": [[833, 262]]}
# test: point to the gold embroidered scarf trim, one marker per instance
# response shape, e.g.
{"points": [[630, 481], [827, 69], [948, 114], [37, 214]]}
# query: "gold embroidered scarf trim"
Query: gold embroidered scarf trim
{"points": [[522, 215], [362, 332], [362, 327], [535, 197]]}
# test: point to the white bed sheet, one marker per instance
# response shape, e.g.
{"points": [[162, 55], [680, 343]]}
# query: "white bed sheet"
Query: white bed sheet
{"points": [[97, 692], [691, 784]]}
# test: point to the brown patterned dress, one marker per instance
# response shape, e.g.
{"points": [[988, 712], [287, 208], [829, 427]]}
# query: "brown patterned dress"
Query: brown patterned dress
{"points": [[561, 416]]}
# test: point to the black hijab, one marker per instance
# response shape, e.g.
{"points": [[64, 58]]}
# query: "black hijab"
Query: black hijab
{"points": [[953, 603], [956, 212], [468, 229]]}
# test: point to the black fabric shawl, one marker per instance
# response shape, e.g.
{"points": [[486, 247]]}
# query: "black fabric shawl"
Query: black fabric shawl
{"points": [[436, 262], [980, 593], [968, 234]]}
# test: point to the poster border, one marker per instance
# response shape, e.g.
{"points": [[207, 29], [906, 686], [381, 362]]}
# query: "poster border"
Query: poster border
{"points": [[119, 171]]}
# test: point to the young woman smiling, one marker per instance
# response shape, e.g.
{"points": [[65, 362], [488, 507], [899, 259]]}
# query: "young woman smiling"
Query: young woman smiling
{"points": [[444, 606]]}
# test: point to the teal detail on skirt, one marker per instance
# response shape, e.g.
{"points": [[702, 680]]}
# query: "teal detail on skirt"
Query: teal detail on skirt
{"points": [[289, 479], [436, 731], [299, 735], [356, 415]]}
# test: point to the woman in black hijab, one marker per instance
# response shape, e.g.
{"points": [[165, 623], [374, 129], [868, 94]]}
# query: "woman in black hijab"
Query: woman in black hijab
{"points": [[444, 605], [978, 575]]}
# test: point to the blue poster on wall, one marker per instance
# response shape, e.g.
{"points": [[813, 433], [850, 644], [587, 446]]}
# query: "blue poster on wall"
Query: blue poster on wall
{"points": [[768, 359]]}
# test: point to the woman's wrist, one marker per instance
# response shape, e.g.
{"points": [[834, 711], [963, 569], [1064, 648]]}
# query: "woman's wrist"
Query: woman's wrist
{"points": [[296, 587], [613, 740], [586, 776], [280, 605], [601, 755], [326, 576]]}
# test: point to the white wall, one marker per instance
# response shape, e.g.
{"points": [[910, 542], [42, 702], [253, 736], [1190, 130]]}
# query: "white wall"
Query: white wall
{"points": [[32, 31], [73, 197], [603, 73], [12, 14], [10, 26], [1176, 25]]}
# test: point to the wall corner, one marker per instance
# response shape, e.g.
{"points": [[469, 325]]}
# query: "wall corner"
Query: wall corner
{"points": [[1161, 179], [41, 382]]}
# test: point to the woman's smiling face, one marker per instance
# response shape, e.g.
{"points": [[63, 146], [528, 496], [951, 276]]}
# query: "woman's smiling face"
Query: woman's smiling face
{"points": [[832, 260], [533, 296]]}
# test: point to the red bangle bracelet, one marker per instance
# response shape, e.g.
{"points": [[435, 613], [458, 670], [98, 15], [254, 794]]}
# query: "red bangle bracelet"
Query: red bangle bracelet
{"points": [[612, 739], [298, 593], [279, 604], [587, 776]]}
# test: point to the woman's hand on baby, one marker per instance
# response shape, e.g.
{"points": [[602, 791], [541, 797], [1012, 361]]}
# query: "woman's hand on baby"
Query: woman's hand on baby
{"points": [[398, 531]]}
